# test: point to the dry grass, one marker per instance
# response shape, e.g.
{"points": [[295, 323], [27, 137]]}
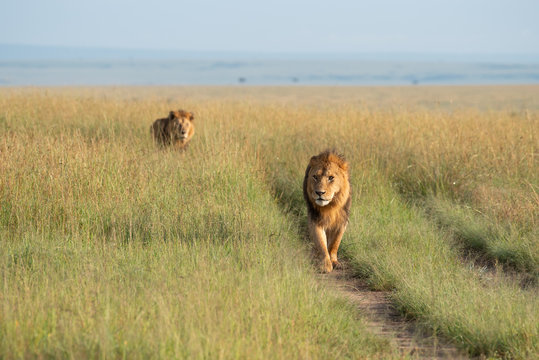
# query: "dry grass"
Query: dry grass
{"points": [[91, 208], [113, 249]]}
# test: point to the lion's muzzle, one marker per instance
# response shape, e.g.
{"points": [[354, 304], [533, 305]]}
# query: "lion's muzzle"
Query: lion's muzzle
{"points": [[319, 200]]}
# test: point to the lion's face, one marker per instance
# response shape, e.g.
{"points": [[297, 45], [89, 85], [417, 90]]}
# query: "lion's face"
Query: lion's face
{"points": [[325, 180], [180, 124]]}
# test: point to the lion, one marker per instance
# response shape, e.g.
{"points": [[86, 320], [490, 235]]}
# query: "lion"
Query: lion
{"points": [[176, 130], [326, 189]]}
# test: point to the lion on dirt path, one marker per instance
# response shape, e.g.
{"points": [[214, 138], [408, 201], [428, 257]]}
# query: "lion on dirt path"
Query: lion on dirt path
{"points": [[176, 130], [326, 189]]}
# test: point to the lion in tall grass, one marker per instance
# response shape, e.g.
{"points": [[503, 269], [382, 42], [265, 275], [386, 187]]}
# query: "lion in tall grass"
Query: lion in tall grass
{"points": [[175, 130], [326, 189]]}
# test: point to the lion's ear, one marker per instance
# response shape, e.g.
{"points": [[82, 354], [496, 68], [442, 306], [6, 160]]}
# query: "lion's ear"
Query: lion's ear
{"points": [[191, 116], [313, 160]]}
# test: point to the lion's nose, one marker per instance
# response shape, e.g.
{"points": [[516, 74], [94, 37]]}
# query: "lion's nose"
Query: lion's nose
{"points": [[320, 193]]}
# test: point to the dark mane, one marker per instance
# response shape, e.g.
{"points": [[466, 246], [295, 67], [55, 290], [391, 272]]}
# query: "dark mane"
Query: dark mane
{"points": [[313, 212]]}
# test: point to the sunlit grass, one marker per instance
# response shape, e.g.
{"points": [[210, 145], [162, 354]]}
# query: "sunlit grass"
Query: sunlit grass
{"points": [[392, 242], [505, 243], [111, 248]]}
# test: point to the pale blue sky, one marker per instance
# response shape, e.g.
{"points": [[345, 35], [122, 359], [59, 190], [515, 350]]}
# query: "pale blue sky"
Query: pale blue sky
{"points": [[454, 26]]}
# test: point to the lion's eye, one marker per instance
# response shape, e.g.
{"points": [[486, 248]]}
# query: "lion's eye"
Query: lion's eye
{"points": [[331, 178], [315, 177]]}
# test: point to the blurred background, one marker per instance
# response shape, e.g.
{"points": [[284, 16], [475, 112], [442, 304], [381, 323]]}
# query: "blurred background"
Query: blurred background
{"points": [[209, 42]]}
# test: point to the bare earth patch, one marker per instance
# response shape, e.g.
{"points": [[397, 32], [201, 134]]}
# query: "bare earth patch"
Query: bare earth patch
{"points": [[382, 318]]}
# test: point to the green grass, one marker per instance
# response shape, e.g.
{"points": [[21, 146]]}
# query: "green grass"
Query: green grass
{"points": [[111, 248], [397, 248], [509, 245]]}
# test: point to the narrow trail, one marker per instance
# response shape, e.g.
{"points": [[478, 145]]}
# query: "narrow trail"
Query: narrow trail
{"points": [[488, 269], [375, 306], [383, 319]]}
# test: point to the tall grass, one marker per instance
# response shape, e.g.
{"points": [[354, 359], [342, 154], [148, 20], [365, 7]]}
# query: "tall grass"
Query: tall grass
{"points": [[389, 239], [396, 248], [504, 243], [182, 256], [113, 249]]}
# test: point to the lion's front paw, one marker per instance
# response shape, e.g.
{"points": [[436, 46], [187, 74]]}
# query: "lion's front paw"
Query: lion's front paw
{"points": [[336, 264], [327, 265]]}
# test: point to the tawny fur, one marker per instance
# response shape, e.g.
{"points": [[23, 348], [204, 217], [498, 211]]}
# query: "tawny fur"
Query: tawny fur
{"points": [[176, 130], [326, 189]]}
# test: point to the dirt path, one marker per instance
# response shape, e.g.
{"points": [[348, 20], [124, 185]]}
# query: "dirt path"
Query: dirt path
{"points": [[382, 318]]}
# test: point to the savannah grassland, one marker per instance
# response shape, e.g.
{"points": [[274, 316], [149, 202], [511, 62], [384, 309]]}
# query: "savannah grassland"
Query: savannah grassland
{"points": [[111, 248]]}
